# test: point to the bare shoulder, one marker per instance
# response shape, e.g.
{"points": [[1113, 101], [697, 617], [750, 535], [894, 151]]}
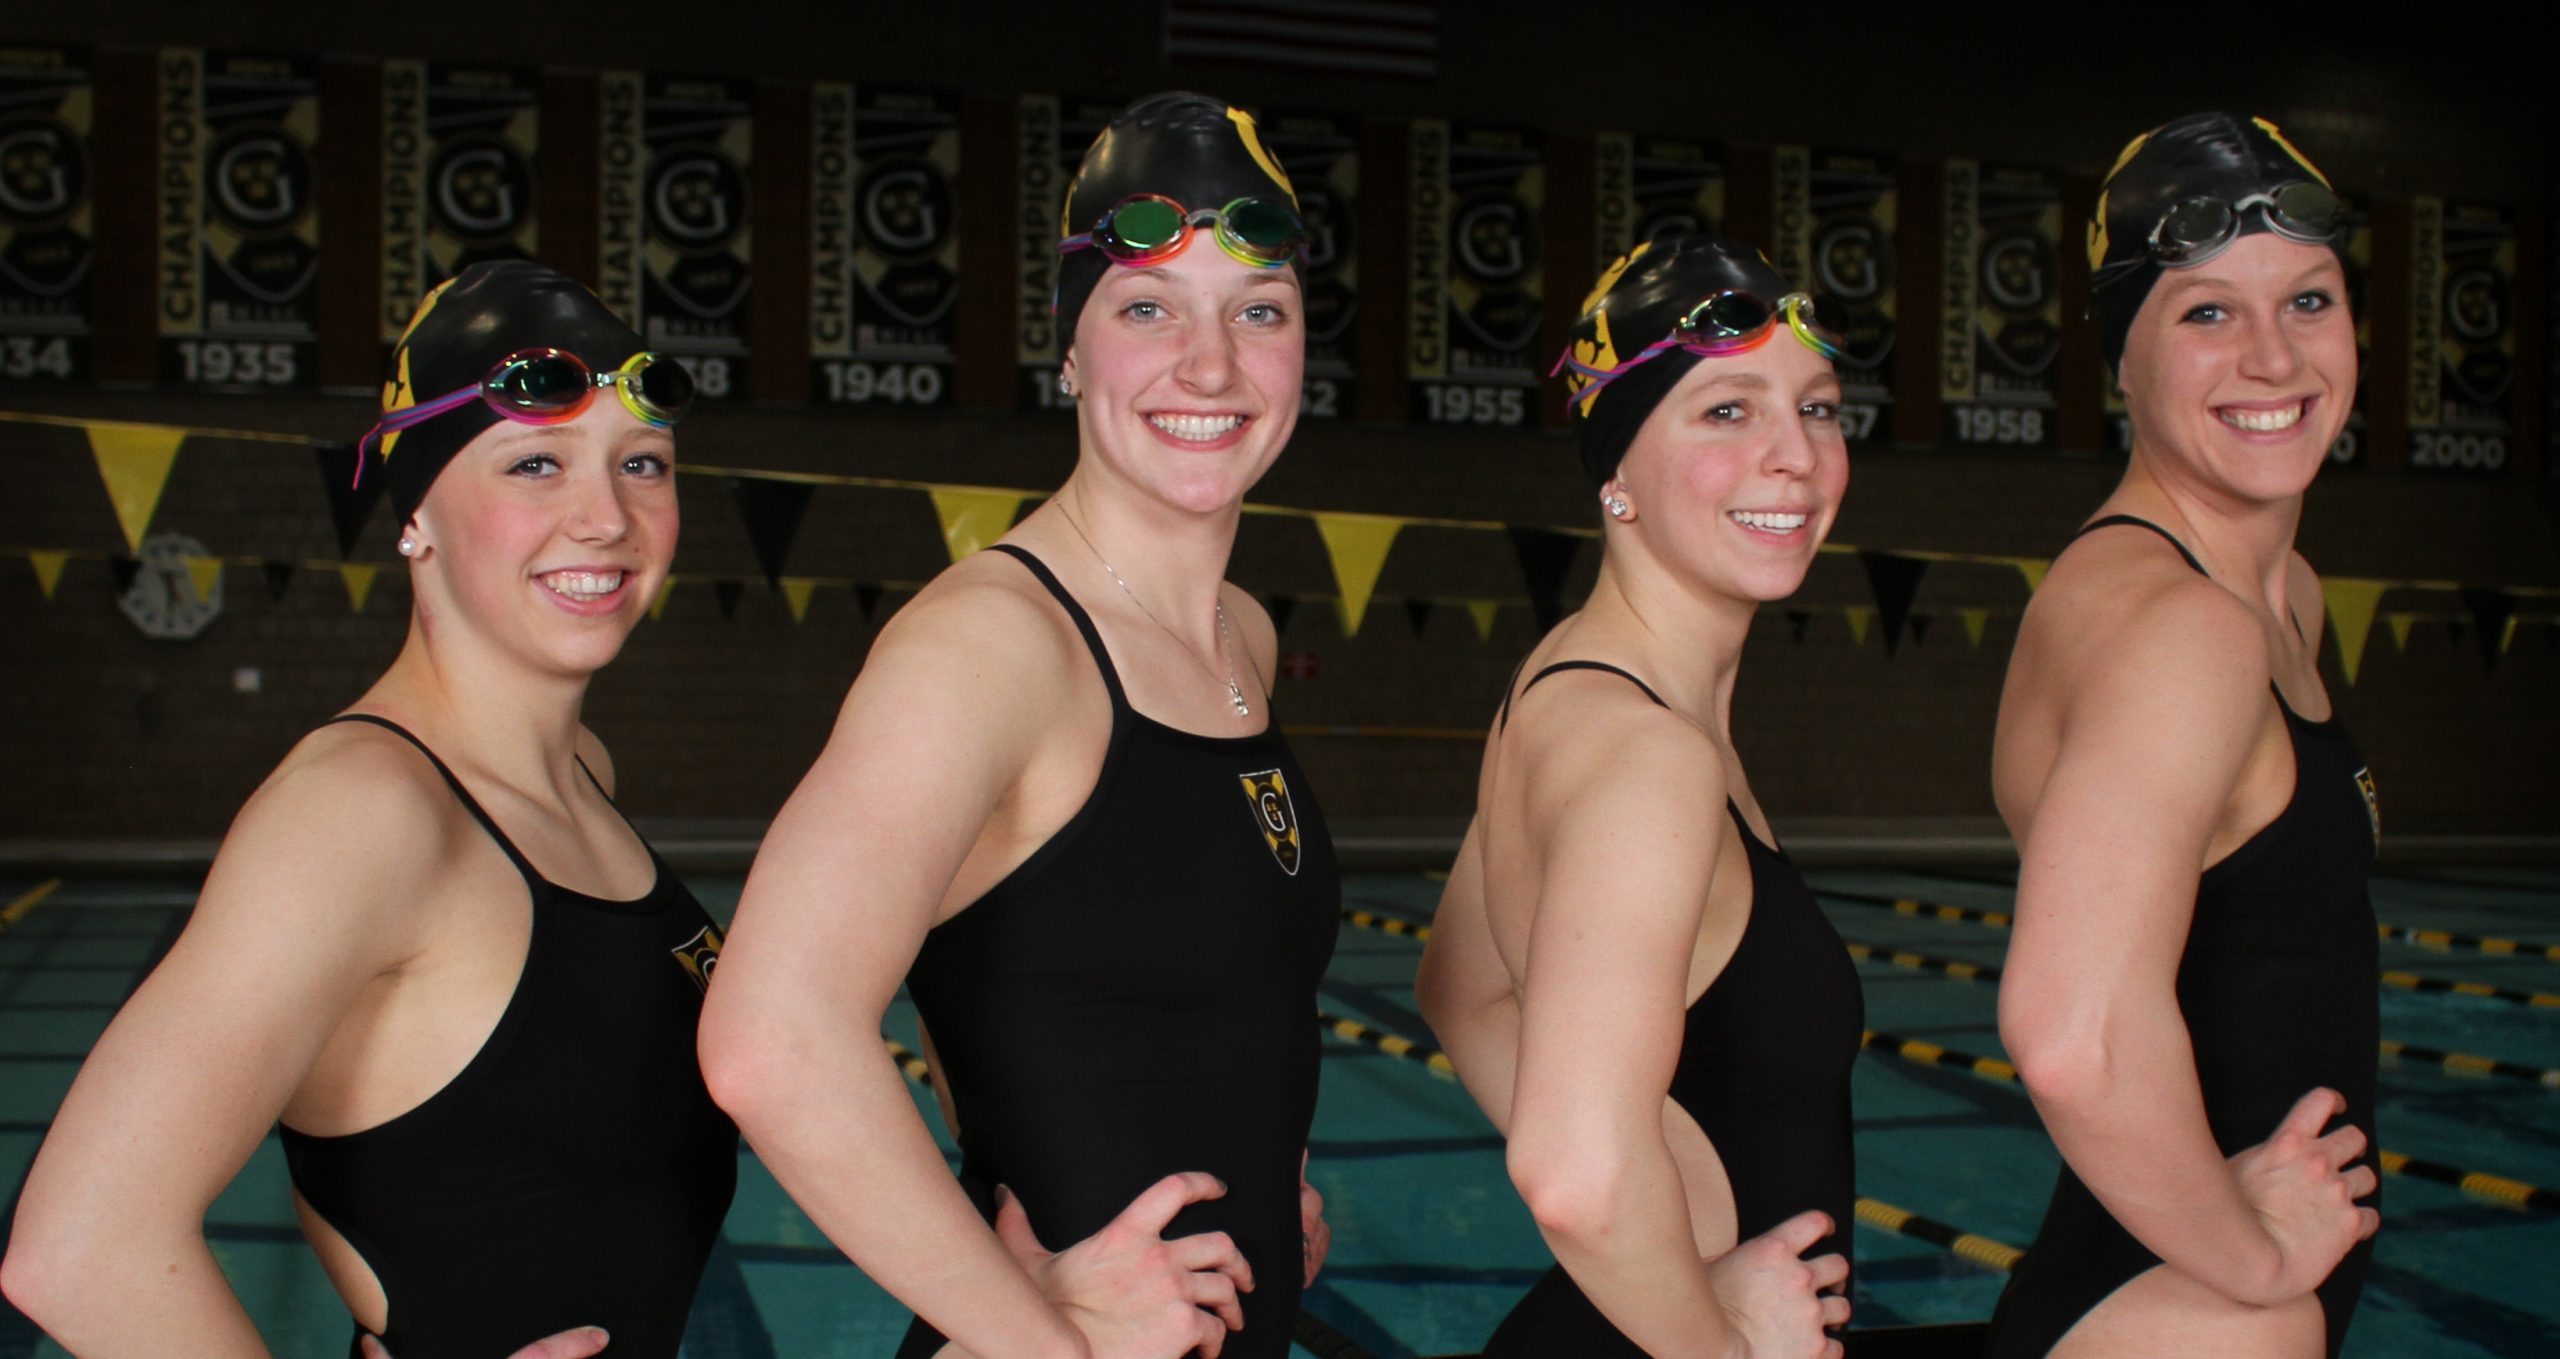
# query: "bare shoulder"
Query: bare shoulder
{"points": [[982, 622], [2121, 614], [349, 828], [1595, 751]]}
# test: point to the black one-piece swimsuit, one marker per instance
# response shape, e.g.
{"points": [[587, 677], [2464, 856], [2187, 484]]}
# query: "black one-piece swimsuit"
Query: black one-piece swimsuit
{"points": [[575, 1172], [1765, 1058], [1138, 998], [2276, 986]]}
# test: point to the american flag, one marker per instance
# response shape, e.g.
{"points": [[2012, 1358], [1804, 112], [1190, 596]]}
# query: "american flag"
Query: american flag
{"points": [[1366, 37]]}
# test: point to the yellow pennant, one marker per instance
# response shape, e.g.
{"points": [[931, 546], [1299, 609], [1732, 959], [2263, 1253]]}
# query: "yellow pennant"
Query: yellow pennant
{"points": [[1860, 615], [358, 578], [134, 461], [1357, 545], [2351, 604], [2507, 638], [2399, 624], [795, 592], [206, 574], [1482, 610], [2032, 570], [973, 516], [1975, 620], [48, 567], [658, 604]]}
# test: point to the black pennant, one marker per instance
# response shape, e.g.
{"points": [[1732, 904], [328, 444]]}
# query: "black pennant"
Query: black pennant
{"points": [[727, 592], [1546, 558], [279, 575], [2490, 609], [1894, 578], [124, 569], [867, 594], [772, 511], [1919, 628], [351, 500], [1796, 621], [1280, 608], [1418, 612]]}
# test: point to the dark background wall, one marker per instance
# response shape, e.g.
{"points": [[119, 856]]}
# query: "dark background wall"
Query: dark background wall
{"points": [[105, 733]]}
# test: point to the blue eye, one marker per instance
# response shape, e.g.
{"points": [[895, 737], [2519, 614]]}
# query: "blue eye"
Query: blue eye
{"points": [[1143, 310], [1825, 411], [1265, 314], [2316, 300], [2206, 313], [534, 465], [649, 465], [1730, 412]]}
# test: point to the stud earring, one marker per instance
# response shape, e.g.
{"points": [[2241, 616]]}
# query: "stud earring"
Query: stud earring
{"points": [[1616, 505], [408, 547], [1066, 385]]}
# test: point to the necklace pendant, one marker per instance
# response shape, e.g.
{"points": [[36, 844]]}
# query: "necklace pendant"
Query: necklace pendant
{"points": [[1235, 695]]}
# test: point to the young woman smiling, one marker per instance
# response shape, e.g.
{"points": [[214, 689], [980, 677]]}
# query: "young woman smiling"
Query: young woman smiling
{"points": [[1057, 807], [430, 944], [2189, 992]]}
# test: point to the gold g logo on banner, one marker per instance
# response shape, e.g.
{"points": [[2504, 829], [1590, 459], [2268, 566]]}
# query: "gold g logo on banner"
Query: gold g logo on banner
{"points": [[1268, 792]]}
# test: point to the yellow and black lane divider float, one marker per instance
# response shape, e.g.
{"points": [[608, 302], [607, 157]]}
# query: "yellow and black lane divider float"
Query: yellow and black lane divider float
{"points": [[2480, 1183], [1982, 1250], [26, 901], [2470, 1064], [1388, 924], [2411, 981], [1930, 910], [1922, 962], [1391, 1044], [2446, 941]]}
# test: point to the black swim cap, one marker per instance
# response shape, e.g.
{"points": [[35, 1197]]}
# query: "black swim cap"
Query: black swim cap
{"points": [[461, 330], [1198, 151], [1639, 300], [2215, 156]]}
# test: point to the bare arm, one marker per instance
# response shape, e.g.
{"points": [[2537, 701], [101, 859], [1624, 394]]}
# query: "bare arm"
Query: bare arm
{"points": [[946, 716], [1465, 991], [107, 1252], [2157, 724], [1614, 805]]}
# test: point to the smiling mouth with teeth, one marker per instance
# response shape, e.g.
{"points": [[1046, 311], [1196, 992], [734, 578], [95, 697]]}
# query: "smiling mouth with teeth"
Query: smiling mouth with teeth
{"points": [[1769, 520], [585, 587], [1197, 428], [2264, 421]]}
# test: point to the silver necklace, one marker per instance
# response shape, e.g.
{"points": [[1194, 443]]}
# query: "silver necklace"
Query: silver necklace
{"points": [[1235, 692]]}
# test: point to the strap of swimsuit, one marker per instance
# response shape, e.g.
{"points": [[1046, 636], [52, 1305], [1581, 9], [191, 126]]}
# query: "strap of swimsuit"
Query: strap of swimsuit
{"points": [[1075, 614], [1505, 719], [2114, 519], [469, 803]]}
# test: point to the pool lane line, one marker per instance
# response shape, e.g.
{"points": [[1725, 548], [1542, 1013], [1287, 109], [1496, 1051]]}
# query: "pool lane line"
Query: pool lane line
{"points": [[2411, 981], [1982, 1250], [1325, 1342], [2444, 941], [26, 901], [1391, 1044], [2481, 1184], [1387, 924], [2471, 1064], [1922, 962]]}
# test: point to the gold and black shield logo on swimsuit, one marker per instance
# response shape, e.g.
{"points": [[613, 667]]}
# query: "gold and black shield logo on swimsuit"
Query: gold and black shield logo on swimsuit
{"points": [[699, 955], [1268, 791], [2372, 800]]}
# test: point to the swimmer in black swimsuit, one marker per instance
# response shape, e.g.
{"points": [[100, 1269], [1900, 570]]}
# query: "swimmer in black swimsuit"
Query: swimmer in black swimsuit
{"points": [[1620, 892], [2189, 993], [430, 944], [1058, 806]]}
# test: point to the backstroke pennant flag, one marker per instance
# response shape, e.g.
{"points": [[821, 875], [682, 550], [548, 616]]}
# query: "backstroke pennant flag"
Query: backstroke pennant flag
{"points": [[973, 516], [772, 511], [2351, 605], [1975, 620], [795, 593], [359, 582], [134, 462], [1482, 610], [1357, 546], [351, 496], [48, 566], [1894, 578]]}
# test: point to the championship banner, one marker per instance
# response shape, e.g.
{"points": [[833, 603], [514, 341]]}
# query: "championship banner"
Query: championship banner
{"points": [[884, 244], [1051, 137], [2355, 244], [2003, 306], [1834, 216], [237, 222], [696, 245], [1322, 157], [46, 236], [2465, 371], [1477, 280], [458, 148], [1645, 188]]}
